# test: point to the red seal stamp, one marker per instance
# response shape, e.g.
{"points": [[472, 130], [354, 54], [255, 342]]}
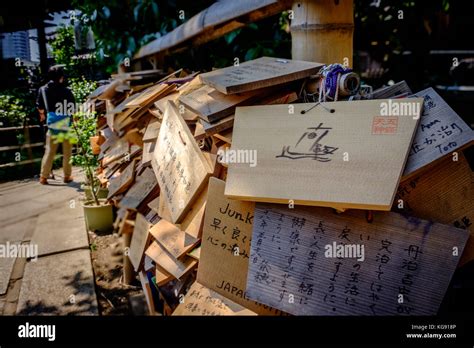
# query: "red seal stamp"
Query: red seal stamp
{"points": [[385, 125]]}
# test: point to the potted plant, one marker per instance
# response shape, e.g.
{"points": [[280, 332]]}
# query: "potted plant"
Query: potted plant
{"points": [[97, 212], [83, 128], [101, 192]]}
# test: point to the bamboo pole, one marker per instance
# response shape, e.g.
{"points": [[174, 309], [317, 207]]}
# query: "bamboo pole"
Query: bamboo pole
{"points": [[322, 31]]}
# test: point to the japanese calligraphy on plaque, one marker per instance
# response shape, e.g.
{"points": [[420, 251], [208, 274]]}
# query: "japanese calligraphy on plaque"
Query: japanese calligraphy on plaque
{"points": [[200, 300], [310, 261], [427, 196], [440, 132], [305, 154], [309, 146], [179, 166], [225, 246]]}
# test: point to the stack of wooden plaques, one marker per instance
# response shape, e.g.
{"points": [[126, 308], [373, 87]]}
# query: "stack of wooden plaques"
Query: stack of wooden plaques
{"points": [[162, 137], [234, 197], [261, 81]]}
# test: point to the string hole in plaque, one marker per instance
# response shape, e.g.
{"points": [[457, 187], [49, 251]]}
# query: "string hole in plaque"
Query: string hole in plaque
{"points": [[181, 137]]}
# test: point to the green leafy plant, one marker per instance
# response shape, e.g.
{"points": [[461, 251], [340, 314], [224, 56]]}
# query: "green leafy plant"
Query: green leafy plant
{"points": [[15, 106], [63, 45], [83, 127], [76, 65], [84, 124], [81, 88], [122, 27]]}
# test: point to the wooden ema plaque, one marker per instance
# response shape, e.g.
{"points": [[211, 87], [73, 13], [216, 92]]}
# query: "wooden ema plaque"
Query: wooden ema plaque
{"points": [[225, 246], [258, 73], [312, 261], [165, 260], [148, 151], [175, 241], [351, 158], [212, 105], [180, 167], [140, 240], [144, 185], [150, 94], [441, 132], [202, 301], [151, 132], [443, 194], [226, 123], [123, 181], [194, 219]]}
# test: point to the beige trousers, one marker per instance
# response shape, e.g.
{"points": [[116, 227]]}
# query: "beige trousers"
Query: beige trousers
{"points": [[50, 152]]}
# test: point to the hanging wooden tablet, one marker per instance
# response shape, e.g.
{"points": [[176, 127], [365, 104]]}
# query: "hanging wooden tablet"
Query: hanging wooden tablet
{"points": [[149, 95], [161, 103], [152, 131], [193, 221], [350, 158], [148, 151], [162, 277], [218, 126]]}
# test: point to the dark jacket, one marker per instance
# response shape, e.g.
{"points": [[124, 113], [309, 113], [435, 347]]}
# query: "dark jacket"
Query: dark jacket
{"points": [[55, 93]]}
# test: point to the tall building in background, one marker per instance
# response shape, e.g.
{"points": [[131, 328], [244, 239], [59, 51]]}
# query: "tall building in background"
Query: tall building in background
{"points": [[16, 45]]}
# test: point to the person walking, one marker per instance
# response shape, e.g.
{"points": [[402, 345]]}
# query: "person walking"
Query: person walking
{"points": [[53, 103]]}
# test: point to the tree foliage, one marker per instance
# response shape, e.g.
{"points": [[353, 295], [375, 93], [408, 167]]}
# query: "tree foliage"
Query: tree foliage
{"points": [[81, 88], [122, 27], [384, 29], [15, 106], [63, 46], [77, 65]]}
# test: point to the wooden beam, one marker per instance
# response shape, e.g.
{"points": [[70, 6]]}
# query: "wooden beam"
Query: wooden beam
{"points": [[215, 21], [7, 129], [20, 163], [24, 146]]}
